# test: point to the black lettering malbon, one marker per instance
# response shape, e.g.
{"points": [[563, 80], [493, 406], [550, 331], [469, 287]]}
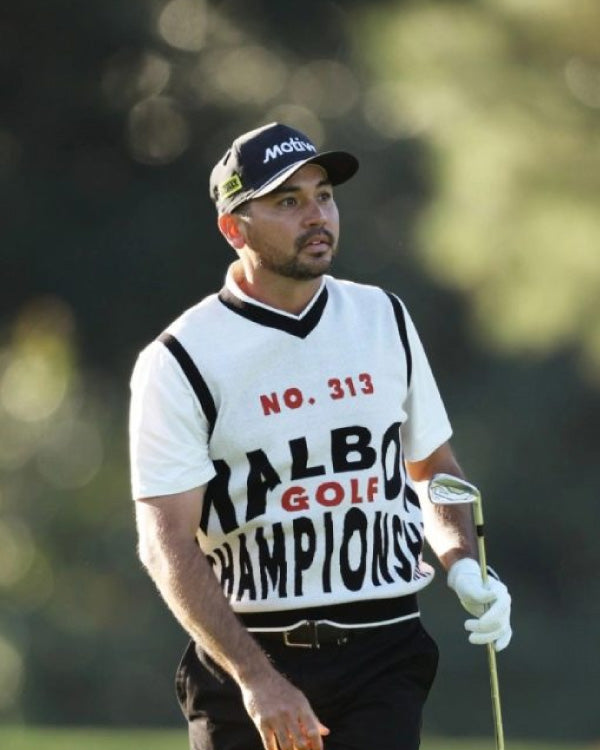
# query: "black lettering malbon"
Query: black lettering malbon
{"points": [[370, 551], [351, 450], [300, 467], [262, 478]]}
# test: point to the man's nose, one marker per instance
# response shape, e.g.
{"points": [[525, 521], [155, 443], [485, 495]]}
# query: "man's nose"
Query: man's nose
{"points": [[315, 213]]}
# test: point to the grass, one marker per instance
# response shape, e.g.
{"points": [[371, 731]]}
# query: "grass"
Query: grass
{"points": [[40, 738]]}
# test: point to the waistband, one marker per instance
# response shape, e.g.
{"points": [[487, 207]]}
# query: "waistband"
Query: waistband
{"points": [[312, 634], [349, 614]]}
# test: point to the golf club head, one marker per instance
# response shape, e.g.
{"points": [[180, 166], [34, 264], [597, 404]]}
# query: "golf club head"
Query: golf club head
{"points": [[444, 489]]}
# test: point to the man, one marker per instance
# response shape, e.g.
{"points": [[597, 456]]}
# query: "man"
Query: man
{"points": [[280, 432]]}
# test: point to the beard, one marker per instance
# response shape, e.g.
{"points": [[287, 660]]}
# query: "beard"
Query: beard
{"points": [[297, 267]]}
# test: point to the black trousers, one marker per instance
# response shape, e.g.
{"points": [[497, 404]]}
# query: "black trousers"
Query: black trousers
{"points": [[370, 691]]}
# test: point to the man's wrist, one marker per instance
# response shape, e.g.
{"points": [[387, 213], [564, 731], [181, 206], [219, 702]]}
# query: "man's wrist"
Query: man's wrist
{"points": [[254, 669], [455, 556], [465, 564]]}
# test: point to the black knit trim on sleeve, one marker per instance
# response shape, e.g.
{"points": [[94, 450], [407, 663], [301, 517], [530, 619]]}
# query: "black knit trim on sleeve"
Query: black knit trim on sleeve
{"points": [[401, 323], [194, 377]]}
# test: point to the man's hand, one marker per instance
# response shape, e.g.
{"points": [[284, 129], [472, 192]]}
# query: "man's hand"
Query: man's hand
{"points": [[282, 715], [489, 603]]}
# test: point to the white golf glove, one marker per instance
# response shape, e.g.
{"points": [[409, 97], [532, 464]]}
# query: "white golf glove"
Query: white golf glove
{"points": [[489, 604]]}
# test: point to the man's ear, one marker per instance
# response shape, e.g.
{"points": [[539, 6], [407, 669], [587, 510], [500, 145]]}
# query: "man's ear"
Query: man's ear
{"points": [[229, 226]]}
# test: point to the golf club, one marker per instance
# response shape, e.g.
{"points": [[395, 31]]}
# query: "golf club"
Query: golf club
{"points": [[445, 489]]}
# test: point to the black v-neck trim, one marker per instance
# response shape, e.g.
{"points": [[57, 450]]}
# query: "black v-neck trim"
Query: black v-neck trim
{"points": [[299, 327]]}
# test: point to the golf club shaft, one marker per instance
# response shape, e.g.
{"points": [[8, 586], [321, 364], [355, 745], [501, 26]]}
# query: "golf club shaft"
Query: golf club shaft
{"points": [[495, 691], [494, 685]]}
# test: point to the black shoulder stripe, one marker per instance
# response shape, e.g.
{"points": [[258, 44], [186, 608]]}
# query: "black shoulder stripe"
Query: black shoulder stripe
{"points": [[193, 375], [401, 322]]}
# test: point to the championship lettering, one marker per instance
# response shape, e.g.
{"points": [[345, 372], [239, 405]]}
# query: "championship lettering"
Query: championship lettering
{"points": [[375, 550]]}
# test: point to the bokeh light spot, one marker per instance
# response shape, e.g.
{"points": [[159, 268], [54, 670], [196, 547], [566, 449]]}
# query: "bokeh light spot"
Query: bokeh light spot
{"points": [[326, 86], [33, 387], [72, 455], [158, 131], [39, 367], [386, 112], [583, 81], [11, 673], [300, 118], [130, 77], [16, 551], [183, 24], [17, 443], [245, 75]]}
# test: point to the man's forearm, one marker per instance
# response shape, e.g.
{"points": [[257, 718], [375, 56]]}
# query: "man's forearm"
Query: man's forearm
{"points": [[281, 713], [449, 530], [192, 592]]}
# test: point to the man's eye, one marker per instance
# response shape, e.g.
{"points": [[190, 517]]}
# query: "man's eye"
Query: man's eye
{"points": [[325, 196], [286, 202]]}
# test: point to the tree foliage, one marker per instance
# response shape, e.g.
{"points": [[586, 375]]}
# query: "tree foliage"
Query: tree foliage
{"points": [[507, 96]]}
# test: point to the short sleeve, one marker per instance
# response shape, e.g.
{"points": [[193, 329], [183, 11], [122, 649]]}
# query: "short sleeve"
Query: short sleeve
{"points": [[427, 426], [168, 432]]}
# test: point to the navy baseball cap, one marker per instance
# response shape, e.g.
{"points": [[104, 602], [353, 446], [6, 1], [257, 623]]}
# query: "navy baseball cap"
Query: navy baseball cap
{"points": [[260, 160]]}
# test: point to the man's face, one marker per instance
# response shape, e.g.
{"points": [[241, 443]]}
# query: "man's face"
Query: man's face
{"points": [[294, 230]]}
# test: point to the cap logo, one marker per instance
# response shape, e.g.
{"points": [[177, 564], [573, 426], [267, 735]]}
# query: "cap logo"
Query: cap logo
{"points": [[230, 186], [286, 147]]}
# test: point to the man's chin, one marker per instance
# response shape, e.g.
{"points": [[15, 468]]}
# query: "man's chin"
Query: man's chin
{"points": [[317, 265], [313, 270], [304, 269]]}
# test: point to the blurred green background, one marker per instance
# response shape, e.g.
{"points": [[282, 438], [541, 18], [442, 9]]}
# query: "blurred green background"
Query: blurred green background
{"points": [[164, 739], [477, 126]]}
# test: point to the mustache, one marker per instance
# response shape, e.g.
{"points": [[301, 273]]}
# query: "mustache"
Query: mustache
{"points": [[307, 237]]}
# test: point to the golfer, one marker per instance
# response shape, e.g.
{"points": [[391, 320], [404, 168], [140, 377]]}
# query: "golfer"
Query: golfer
{"points": [[283, 433]]}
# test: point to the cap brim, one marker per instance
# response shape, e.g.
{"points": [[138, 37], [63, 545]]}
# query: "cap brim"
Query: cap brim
{"points": [[339, 165]]}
